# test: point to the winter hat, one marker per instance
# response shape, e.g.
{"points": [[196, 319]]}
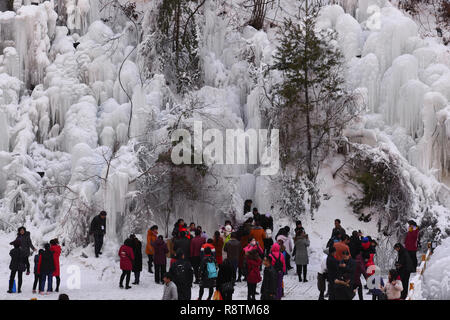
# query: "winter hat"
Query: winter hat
{"points": [[267, 215]]}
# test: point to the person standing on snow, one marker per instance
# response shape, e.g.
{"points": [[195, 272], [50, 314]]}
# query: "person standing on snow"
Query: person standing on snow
{"points": [[195, 248], [126, 262], [208, 274], [46, 267], [258, 234], [332, 272], [233, 250], [24, 237], [218, 246], [404, 267], [17, 265], [394, 287], [160, 257], [280, 267], [342, 246], [355, 244], [184, 244], [170, 289], [183, 275], [337, 233], [137, 262], [253, 275], [360, 270], [37, 280], [225, 279], [269, 287], [98, 230], [411, 241], [152, 233], [322, 276], [288, 243], [177, 228], [56, 249], [301, 254]]}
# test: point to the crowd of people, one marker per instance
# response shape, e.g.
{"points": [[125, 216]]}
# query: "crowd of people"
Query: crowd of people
{"points": [[46, 263], [349, 258], [235, 253]]}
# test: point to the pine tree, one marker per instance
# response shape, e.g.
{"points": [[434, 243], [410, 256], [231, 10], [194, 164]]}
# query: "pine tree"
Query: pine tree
{"points": [[178, 44], [311, 104]]}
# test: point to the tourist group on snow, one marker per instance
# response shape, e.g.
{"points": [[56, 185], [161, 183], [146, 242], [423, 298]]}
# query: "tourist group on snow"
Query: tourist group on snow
{"points": [[235, 253]]}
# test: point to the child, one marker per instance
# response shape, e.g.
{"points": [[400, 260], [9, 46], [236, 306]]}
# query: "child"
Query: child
{"points": [[170, 289], [18, 265], [37, 279]]}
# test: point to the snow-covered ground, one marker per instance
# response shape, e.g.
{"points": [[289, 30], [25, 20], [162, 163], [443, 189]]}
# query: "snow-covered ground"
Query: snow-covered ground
{"points": [[64, 108], [99, 277]]}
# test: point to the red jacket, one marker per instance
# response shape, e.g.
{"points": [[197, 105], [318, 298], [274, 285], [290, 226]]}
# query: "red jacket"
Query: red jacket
{"points": [[196, 245], [208, 245], [56, 249], [126, 258], [411, 240], [254, 276]]}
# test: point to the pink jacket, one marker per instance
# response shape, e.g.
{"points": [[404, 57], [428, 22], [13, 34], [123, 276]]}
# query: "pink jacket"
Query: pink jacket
{"points": [[275, 254]]}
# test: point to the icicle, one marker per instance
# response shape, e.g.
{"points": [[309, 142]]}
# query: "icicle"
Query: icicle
{"points": [[403, 68]]}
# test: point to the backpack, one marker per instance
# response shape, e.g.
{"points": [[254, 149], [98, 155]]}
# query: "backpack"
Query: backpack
{"points": [[211, 269], [178, 273], [278, 264]]}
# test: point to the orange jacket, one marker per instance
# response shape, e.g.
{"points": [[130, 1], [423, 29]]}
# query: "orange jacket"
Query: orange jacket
{"points": [[151, 237], [340, 248], [259, 234]]}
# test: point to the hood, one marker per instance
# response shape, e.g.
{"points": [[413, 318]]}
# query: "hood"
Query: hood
{"points": [[275, 248]]}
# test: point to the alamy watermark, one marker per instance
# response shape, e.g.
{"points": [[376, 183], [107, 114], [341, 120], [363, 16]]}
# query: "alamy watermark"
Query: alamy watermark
{"points": [[210, 147]]}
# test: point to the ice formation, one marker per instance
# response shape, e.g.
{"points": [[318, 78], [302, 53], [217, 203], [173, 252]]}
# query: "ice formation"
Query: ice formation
{"points": [[65, 108]]}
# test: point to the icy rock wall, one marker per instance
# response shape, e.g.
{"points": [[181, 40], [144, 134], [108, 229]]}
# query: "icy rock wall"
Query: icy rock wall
{"points": [[400, 76]]}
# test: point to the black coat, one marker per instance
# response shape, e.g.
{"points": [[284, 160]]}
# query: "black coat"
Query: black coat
{"points": [[25, 242], [332, 268], [47, 264], [350, 268], [137, 251], [98, 226], [226, 274], [404, 262], [183, 244], [269, 284], [182, 273], [355, 246], [18, 260]]}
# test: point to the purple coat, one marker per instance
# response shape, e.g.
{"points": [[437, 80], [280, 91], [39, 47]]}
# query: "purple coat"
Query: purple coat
{"points": [[161, 250]]}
